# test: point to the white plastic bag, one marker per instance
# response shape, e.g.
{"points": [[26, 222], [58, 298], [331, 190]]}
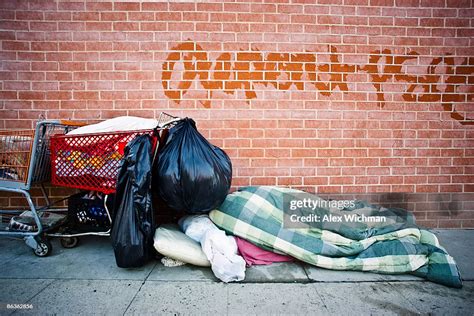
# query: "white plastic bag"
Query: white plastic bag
{"points": [[221, 250]]}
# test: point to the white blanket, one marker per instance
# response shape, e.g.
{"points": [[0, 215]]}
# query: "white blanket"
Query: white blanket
{"points": [[117, 124]]}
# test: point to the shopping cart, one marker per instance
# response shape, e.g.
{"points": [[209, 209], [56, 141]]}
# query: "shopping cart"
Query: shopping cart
{"points": [[91, 162], [25, 161]]}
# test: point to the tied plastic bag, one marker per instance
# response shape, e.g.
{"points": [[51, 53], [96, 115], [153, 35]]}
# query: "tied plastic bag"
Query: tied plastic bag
{"points": [[192, 174], [132, 228], [221, 250]]}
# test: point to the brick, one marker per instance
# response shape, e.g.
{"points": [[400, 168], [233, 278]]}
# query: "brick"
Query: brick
{"points": [[16, 105], [263, 162], [86, 16], [85, 95], [68, 46], [378, 189], [341, 180], [15, 46], [126, 26], [31, 95], [198, 16], [329, 189], [210, 6], [468, 187], [407, 3], [403, 170], [450, 223], [98, 6], [325, 171], [341, 162], [44, 46], [265, 8], [285, 163], [18, 124], [289, 181], [391, 179], [182, 6], [13, 25], [14, 4], [152, 6], [304, 172], [354, 20], [262, 181], [236, 7], [315, 180], [126, 6], [98, 26], [330, 1], [291, 143], [427, 188], [366, 180], [9, 35]]}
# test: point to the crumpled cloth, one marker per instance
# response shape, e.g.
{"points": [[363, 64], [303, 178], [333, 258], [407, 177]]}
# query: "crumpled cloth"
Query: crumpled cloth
{"points": [[254, 255], [170, 262], [221, 250]]}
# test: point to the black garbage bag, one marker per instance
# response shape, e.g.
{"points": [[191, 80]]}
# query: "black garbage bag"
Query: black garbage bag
{"points": [[132, 227], [192, 175]]}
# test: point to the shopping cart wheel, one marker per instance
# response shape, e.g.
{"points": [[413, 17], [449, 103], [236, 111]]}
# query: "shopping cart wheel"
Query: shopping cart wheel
{"points": [[44, 248], [69, 242]]}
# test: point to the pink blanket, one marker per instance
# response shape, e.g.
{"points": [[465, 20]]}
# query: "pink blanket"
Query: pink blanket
{"points": [[258, 256]]}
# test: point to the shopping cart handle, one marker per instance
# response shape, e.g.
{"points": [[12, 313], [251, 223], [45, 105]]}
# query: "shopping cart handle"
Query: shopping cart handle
{"points": [[73, 123]]}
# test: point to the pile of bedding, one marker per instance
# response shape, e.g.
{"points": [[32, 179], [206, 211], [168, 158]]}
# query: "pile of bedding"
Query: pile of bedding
{"points": [[396, 246]]}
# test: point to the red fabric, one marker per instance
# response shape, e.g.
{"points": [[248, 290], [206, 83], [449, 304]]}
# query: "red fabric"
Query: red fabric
{"points": [[254, 255]]}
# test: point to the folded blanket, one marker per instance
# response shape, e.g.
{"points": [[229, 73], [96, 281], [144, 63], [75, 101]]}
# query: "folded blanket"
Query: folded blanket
{"points": [[254, 255], [395, 246]]}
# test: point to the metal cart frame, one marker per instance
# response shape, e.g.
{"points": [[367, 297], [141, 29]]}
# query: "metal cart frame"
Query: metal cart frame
{"points": [[38, 172]]}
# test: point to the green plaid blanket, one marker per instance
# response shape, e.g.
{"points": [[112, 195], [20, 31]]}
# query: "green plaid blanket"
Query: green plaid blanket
{"points": [[395, 246]]}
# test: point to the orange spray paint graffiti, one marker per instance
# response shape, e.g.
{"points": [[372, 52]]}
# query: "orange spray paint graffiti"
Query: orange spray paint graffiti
{"points": [[442, 80]]}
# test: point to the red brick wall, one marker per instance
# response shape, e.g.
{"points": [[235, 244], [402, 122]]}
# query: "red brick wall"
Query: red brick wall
{"points": [[342, 96]]}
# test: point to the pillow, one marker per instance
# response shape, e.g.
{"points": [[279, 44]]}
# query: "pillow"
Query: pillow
{"points": [[172, 242]]}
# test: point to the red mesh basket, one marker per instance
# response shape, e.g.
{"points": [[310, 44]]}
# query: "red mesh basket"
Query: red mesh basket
{"points": [[90, 161]]}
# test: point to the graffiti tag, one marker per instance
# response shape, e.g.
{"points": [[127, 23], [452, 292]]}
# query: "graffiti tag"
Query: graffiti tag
{"points": [[442, 80]]}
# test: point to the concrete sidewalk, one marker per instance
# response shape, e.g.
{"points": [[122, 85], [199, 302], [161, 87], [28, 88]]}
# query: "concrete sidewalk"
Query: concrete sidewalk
{"points": [[86, 280]]}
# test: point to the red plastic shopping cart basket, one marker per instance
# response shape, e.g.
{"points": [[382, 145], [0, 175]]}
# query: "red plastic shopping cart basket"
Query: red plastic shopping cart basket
{"points": [[90, 161]]}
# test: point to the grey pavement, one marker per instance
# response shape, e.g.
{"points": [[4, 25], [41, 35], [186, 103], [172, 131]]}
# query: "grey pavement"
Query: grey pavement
{"points": [[85, 280]]}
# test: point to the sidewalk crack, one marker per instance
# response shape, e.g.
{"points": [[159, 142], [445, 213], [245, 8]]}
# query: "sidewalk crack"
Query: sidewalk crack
{"points": [[40, 291], [320, 297], [402, 295], [140, 288]]}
